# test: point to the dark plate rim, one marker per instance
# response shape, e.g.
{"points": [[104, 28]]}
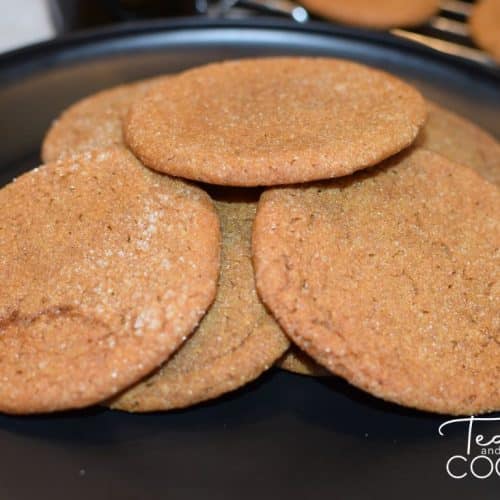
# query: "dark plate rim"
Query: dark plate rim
{"points": [[29, 54]]}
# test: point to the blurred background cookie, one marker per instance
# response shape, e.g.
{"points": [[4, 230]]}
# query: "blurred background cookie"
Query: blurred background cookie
{"points": [[379, 14], [485, 26]]}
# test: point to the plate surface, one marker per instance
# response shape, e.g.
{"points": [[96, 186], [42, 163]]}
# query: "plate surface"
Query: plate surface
{"points": [[284, 436]]}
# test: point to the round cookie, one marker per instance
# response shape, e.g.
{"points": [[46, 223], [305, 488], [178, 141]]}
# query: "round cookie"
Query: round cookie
{"points": [[390, 278], [380, 14], [297, 361], [105, 267], [273, 121], [461, 141], [235, 342], [484, 25], [94, 122]]}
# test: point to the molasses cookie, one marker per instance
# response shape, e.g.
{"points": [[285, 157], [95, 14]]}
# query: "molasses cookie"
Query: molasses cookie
{"points": [[235, 342], [106, 267], [273, 121], [380, 14], [390, 278], [297, 361], [484, 24], [461, 141], [94, 122]]}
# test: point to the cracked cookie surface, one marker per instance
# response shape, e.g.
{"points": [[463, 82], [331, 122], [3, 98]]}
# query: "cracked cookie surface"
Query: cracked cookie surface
{"points": [[391, 279], [235, 342], [105, 267]]}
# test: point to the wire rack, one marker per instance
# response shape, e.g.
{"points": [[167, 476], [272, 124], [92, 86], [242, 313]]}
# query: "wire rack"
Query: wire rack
{"points": [[447, 31]]}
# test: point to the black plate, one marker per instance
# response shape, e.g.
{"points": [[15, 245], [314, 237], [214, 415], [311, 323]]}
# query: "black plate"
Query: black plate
{"points": [[284, 436]]}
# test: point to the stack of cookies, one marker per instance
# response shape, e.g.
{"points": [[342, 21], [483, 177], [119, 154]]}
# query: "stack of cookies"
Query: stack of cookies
{"points": [[188, 232]]}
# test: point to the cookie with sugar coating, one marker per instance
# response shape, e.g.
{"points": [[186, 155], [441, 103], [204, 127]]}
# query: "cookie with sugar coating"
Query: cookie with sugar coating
{"points": [[273, 121], [390, 278], [106, 267], [94, 122], [461, 141], [235, 342]]}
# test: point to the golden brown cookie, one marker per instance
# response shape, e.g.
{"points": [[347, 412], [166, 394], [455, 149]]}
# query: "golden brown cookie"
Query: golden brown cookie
{"points": [[461, 141], [484, 24], [273, 121], [297, 361], [379, 14], [391, 279], [105, 267], [94, 122], [235, 342]]}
